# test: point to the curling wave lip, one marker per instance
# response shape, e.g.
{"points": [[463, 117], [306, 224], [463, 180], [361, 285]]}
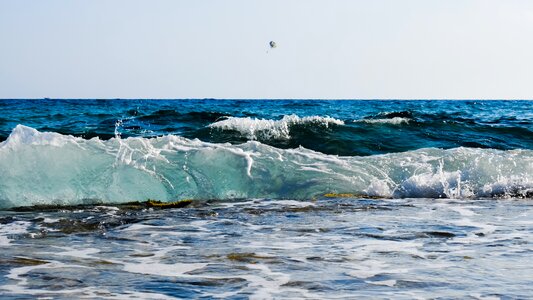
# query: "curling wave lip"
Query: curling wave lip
{"points": [[50, 168]]}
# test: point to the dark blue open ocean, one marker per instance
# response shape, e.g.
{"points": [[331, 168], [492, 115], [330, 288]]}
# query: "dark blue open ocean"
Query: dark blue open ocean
{"points": [[290, 199]]}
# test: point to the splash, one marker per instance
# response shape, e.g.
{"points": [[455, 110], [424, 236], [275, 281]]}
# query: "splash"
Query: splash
{"points": [[50, 168]]}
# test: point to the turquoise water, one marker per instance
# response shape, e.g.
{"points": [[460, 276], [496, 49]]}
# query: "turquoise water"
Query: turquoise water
{"points": [[291, 199], [110, 151]]}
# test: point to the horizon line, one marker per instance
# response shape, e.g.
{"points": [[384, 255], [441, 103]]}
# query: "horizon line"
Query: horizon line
{"points": [[288, 99]]}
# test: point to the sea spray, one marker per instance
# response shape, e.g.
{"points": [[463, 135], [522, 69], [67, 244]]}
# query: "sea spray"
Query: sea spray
{"points": [[50, 168]]}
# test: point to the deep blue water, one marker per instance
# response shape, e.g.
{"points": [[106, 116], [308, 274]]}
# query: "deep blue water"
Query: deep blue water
{"points": [[419, 124]]}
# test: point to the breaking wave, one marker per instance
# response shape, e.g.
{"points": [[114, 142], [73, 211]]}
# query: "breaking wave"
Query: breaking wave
{"points": [[392, 118], [50, 168], [393, 121], [265, 129]]}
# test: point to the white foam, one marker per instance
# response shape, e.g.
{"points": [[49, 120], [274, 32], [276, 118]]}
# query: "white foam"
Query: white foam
{"points": [[390, 283], [392, 121], [292, 203], [24, 135], [22, 287], [368, 269], [159, 269], [269, 283], [78, 253], [49, 168], [14, 228], [252, 128], [464, 210], [135, 295]]}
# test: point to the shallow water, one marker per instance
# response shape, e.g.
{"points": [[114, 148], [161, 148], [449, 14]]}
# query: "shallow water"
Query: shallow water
{"points": [[330, 248]]}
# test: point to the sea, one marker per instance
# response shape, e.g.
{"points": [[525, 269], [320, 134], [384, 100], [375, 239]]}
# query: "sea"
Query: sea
{"points": [[266, 199]]}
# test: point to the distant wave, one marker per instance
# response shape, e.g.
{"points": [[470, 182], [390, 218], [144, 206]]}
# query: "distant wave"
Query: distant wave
{"points": [[50, 168], [393, 118], [265, 129], [393, 121]]}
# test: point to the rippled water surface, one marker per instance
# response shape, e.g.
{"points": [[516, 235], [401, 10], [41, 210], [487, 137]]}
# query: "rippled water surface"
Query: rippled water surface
{"points": [[329, 248], [345, 127], [155, 199]]}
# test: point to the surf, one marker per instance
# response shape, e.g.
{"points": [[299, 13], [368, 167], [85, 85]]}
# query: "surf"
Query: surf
{"points": [[50, 168]]}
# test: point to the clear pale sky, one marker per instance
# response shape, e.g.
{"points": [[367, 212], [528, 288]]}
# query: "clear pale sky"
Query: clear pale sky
{"points": [[371, 49]]}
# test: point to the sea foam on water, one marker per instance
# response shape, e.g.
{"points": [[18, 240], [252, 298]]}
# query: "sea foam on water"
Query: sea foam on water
{"points": [[50, 168]]}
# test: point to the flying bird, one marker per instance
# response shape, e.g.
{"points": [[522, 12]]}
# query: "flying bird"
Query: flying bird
{"points": [[272, 44]]}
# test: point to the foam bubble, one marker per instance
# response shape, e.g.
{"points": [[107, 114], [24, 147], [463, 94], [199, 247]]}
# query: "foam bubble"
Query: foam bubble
{"points": [[160, 269], [392, 121], [265, 129], [7, 231]]}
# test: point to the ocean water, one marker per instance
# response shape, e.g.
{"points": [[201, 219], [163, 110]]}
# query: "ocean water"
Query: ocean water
{"points": [[290, 199]]}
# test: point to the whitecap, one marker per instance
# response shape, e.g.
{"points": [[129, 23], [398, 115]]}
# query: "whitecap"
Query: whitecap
{"points": [[266, 129], [392, 121]]}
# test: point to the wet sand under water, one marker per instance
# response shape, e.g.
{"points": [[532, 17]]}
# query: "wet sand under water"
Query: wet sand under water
{"points": [[336, 248]]}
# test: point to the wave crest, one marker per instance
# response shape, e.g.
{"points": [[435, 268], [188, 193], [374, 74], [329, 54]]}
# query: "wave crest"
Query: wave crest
{"points": [[265, 129], [50, 168], [393, 121]]}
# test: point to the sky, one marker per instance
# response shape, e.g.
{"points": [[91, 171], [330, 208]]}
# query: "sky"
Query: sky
{"points": [[326, 49]]}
